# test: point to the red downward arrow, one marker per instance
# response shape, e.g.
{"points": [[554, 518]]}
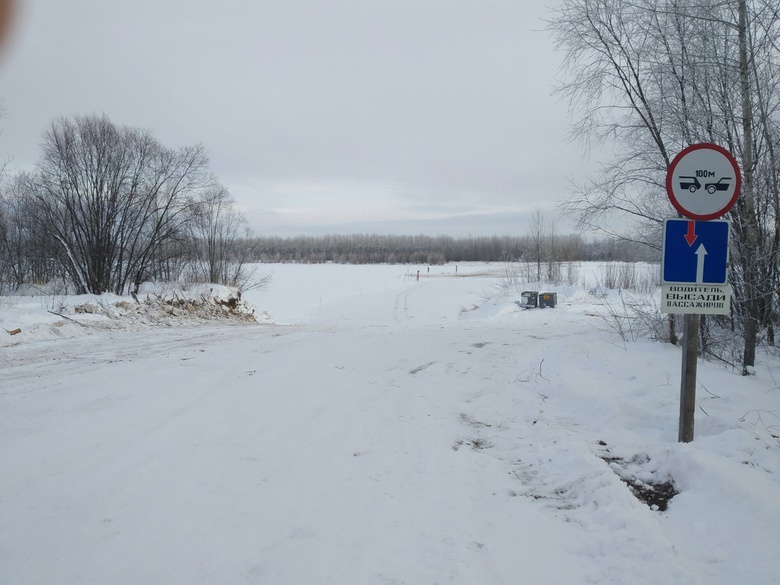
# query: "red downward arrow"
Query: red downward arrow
{"points": [[691, 236]]}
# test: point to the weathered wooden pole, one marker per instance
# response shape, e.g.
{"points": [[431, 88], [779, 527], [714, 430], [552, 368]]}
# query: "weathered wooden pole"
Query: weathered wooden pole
{"points": [[690, 356]]}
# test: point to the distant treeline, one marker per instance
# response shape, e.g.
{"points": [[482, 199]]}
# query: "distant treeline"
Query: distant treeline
{"points": [[108, 208], [379, 249]]}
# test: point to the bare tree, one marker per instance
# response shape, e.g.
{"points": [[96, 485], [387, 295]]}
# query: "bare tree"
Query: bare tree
{"points": [[536, 241], [221, 240], [111, 199], [654, 77], [24, 258]]}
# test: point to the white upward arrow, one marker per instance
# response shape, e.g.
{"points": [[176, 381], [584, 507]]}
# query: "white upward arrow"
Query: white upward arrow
{"points": [[701, 252]]}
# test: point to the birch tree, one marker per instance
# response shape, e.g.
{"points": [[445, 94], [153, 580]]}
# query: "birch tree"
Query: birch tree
{"points": [[649, 78]]}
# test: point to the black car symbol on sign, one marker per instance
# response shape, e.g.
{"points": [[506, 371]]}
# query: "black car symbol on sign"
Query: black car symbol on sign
{"points": [[721, 185], [690, 183]]}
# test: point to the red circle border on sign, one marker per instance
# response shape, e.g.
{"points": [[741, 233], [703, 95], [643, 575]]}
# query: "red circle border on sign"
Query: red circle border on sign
{"points": [[673, 166]]}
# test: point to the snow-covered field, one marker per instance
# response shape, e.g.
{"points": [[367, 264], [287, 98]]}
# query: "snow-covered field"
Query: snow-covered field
{"points": [[375, 428]]}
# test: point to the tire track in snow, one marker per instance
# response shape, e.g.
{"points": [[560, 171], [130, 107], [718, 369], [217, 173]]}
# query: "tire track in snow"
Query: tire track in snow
{"points": [[401, 307]]}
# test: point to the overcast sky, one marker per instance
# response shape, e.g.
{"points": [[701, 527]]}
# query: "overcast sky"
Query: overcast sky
{"points": [[320, 116]]}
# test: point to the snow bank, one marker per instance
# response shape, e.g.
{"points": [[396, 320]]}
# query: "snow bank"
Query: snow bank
{"points": [[29, 318]]}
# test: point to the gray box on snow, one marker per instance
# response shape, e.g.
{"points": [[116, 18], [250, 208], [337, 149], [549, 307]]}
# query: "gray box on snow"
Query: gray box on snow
{"points": [[548, 299]]}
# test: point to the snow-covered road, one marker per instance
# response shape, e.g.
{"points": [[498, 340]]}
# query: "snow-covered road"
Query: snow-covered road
{"points": [[411, 433]]}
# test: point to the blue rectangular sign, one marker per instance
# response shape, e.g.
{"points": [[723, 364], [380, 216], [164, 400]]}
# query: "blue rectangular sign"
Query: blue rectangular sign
{"points": [[695, 252]]}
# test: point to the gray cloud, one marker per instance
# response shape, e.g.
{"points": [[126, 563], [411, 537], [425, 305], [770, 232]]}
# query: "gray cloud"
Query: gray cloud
{"points": [[313, 110]]}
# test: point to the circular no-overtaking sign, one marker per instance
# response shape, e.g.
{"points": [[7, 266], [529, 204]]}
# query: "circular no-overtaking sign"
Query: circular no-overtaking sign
{"points": [[703, 181]]}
